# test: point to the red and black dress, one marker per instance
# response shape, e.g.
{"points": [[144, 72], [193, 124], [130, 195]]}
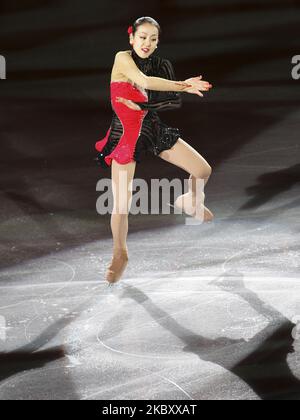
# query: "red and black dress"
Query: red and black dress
{"points": [[133, 132]]}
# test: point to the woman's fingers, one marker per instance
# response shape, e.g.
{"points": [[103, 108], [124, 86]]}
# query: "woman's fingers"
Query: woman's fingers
{"points": [[123, 100], [197, 92], [202, 82], [198, 85], [130, 104], [205, 86], [120, 99]]}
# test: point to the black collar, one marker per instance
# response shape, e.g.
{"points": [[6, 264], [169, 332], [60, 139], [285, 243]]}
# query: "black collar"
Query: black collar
{"points": [[144, 64]]}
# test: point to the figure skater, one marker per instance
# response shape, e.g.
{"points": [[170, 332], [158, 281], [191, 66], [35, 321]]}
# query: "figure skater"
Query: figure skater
{"points": [[142, 84]]}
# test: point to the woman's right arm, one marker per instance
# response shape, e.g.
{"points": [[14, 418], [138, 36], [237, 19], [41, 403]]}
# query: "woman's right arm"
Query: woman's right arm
{"points": [[127, 66]]}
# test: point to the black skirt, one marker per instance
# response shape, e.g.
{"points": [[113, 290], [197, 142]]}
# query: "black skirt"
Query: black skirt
{"points": [[155, 136]]}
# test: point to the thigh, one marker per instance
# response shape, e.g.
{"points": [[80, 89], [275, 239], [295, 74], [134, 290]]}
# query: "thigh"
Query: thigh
{"points": [[122, 179], [186, 157]]}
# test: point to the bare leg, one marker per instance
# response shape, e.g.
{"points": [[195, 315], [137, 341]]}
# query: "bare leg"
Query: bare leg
{"points": [[186, 157], [122, 177]]}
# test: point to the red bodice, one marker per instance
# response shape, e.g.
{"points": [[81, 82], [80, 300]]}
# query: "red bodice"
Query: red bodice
{"points": [[131, 121]]}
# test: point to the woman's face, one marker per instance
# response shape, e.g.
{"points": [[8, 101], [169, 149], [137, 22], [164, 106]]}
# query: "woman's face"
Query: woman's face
{"points": [[145, 40]]}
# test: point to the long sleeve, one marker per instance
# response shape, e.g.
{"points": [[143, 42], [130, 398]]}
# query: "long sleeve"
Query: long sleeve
{"points": [[162, 101]]}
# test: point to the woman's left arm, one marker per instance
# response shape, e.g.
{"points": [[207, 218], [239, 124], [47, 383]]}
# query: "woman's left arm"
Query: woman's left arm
{"points": [[162, 101]]}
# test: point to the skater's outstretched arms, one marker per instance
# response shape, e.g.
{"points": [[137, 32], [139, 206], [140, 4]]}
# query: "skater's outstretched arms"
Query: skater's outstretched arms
{"points": [[163, 101], [128, 67]]}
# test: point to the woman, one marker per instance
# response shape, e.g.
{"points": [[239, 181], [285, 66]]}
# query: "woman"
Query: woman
{"points": [[142, 84]]}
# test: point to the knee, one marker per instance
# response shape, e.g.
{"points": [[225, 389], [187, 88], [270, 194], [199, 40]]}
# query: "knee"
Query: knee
{"points": [[209, 171], [120, 211], [122, 205], [204, 172]]}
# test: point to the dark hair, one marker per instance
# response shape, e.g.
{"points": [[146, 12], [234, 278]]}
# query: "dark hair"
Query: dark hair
{"points": [[145, 19]]}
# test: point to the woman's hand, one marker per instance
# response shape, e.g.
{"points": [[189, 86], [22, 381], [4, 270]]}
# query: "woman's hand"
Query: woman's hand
{"points": [[128, 103], [197, 85]]}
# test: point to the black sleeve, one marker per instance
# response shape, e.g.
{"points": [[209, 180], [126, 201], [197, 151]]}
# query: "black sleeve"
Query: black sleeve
{"points": [[162, 100]]}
